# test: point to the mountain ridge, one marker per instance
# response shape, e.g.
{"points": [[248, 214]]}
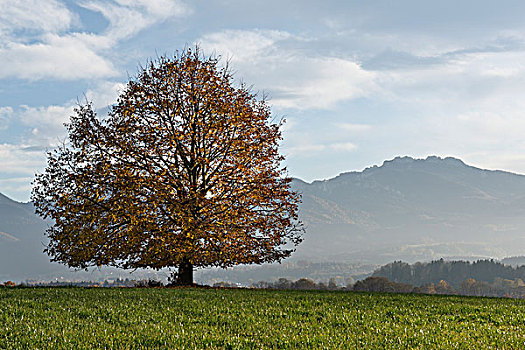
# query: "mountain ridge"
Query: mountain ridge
{"points": [[411, 160], [407, 202]]}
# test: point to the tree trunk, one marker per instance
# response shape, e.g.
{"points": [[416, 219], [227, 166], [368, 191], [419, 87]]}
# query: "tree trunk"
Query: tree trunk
{"points": [[185, 274]]}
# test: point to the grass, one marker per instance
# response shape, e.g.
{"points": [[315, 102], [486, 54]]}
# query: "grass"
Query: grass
{"points": [[77, 318]]}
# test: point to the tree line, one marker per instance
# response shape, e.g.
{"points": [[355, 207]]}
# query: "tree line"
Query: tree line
{"points": [[470, 287], [454, 272], [498, 288]]}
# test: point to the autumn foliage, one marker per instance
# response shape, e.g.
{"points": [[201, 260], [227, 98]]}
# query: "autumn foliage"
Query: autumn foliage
{"points": [[183, 172]]}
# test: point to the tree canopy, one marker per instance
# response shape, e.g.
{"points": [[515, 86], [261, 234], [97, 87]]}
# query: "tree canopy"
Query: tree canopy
{"points": [[184, 172]]}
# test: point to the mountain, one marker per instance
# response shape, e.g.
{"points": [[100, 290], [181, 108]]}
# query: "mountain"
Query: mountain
{"points": [[413, 209], [21, 240], [406, 209]]}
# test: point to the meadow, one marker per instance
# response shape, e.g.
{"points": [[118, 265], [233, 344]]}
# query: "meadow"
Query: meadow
{"points": [[134, 318]]}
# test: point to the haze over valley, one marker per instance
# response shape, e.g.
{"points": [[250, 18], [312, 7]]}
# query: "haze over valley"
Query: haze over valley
{"points": [[405, 209], [414, 209]]}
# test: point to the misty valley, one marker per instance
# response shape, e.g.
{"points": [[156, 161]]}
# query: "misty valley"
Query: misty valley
{"points": [[410, 210]]}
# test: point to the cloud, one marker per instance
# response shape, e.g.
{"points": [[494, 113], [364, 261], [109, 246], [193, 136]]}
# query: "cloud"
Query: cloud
{"points": [[342, 146], [105, 94], [463, 81], [353, 127], [388, 79], [19, 164], [45, 129], [493, 64], [304, 149], [293, 78], [393, 59], [43, 39], [20, 159], [447, 19], [470, 104], [5, 117], [314, 149], [37, 42], [48, 16], [243, 46], [47, 122], [320, 83], [127, 17], [487, 124], [59, 57], [34, 46]]}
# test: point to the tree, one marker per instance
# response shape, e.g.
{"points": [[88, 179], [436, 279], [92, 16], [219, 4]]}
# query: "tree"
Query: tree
{"points": [[304, 284], [184, 172]]}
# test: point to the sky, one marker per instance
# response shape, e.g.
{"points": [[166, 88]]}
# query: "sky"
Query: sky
{"points": [[358, 82]]}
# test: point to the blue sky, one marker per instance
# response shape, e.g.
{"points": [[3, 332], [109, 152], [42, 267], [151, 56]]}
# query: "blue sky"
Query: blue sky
{"points": [[358, 81]]}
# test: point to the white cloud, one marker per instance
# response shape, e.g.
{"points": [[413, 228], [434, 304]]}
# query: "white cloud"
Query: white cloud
{"points": [[492, 64], [39, 39], [105, 94], [5, 117], [47, 124], [304, 149], [343, 146], [128, 17], [41, 50], [19, 164], [464, 78], [294, 79], [353, 127], [320, 83], [35, 15], [486, 125], [33, 45], [435, 89], [21, 159], [245, 46], [314, 149], [471, 105], [45, 130], [59, 57]]}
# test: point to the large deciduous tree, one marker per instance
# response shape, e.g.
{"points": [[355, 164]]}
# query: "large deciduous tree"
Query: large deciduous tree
{"points": [[184, 172]]}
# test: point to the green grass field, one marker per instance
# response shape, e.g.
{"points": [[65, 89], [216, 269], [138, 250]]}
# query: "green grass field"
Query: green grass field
{"points": [[76, 318]]}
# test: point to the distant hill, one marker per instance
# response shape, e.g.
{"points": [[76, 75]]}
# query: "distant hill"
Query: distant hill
{"points": [[414, 210], [22, 241], [514, 261], [406, 209]]}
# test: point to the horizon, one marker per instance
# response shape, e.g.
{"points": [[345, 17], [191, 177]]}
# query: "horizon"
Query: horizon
{"points": [[415, 159], [357, 171]]}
